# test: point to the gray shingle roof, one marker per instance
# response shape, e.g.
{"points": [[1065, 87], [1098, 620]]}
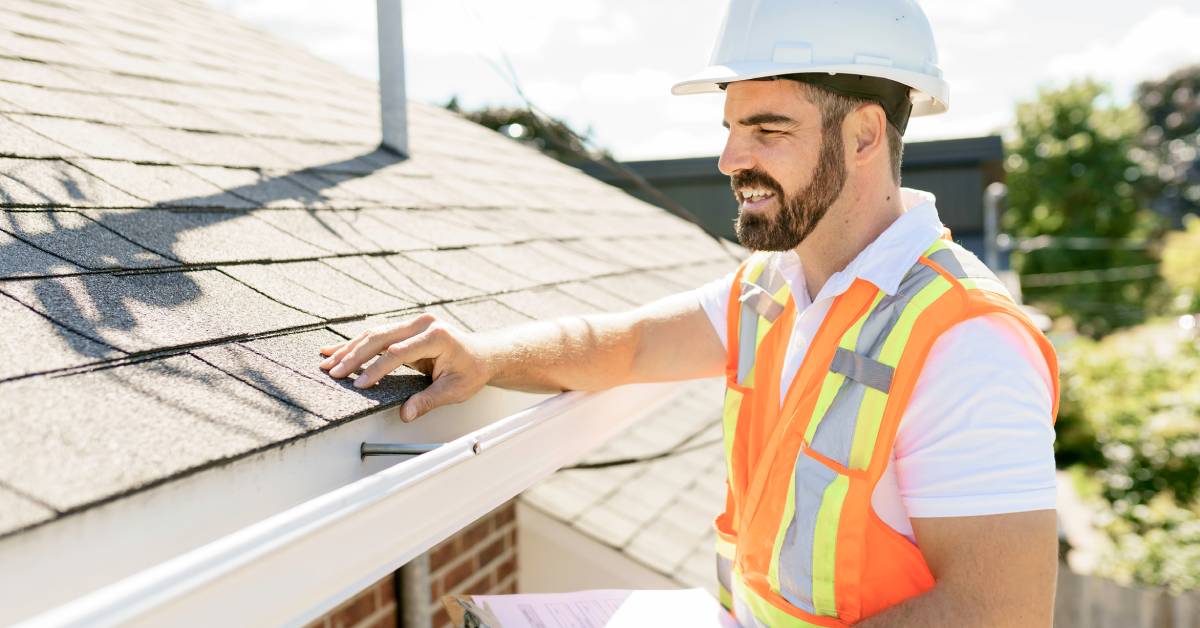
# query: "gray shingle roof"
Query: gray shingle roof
{"points": [[658, 513], [189, 208]]}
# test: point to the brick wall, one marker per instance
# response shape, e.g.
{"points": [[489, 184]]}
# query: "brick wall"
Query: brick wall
{"points": [[481, 558], [374, 607]]}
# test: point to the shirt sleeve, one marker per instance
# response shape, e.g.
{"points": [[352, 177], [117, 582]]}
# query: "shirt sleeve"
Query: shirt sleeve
{"points": [[978, 435], [714, 298]]}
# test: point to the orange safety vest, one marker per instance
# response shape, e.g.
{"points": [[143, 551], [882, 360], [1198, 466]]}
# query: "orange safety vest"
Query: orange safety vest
{"points": [[799, 543]]}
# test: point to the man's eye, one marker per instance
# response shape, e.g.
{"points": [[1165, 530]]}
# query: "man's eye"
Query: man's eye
{"points": [[768, 131]]}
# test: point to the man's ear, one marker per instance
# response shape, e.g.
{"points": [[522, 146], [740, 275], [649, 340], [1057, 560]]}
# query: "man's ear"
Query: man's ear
{"points": [[868, 133]]}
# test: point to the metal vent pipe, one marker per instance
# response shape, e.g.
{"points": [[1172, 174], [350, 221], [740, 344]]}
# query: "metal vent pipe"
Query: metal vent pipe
{"points": [[392, 104]]}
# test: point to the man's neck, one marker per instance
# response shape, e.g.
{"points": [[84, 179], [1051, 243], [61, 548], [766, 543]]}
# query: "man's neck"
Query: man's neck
{"points": [[852, 223]]}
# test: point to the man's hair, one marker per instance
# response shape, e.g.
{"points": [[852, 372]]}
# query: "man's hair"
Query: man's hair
{"points": [[834, 107]]}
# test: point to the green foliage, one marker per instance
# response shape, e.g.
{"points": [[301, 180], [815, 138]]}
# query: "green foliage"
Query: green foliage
{"points": [[1070, 174], [549, 135], [1181, 265], [1168, 148], [1139, 391]]}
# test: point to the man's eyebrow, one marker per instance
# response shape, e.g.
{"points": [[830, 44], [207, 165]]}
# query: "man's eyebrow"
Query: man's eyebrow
{"points": [[761, 118]]}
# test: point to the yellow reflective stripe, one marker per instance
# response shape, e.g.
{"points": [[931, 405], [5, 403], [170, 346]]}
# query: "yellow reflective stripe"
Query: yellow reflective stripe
{"points": [[764, 326], [866, 429], [833, 381], [729, 417], [893, 347], [937, 245], [725, 597], [825, 547], [726, 549], [789, 510], [758, 263], [763, 611]]}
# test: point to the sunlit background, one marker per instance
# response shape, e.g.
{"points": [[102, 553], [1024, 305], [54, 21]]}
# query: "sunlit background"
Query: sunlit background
{"points": [[608, 65]]}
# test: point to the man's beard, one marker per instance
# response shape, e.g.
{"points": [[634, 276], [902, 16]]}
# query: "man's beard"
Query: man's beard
{"points": [[798, 213]]}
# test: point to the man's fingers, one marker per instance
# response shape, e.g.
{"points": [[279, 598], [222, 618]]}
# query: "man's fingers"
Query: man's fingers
{"points": [[427, 344], [439, 393], [373, 342], [345, 348]]}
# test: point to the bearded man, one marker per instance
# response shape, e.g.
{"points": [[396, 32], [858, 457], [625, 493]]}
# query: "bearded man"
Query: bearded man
{"points": [[889, 410]]}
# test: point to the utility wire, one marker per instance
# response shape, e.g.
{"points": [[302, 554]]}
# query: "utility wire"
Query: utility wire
{"points": [[680, 448], [509, 74]]}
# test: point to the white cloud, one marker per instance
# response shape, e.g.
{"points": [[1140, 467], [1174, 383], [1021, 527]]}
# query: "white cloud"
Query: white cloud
{"points": [[1165, 39]]}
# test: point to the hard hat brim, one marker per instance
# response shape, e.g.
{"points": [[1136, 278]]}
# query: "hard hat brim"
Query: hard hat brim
{"points": [[931, 95]]}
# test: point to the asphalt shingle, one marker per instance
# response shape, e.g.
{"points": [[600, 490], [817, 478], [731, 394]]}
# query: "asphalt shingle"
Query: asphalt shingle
{"points": [[262, 189], [53, 346], [95, 140], [394, 275], [316, 288], [531, 261], [593, 295], [40, 74], [166, 186], [470, 268], [164, 417], [49, 182], [20, 141], [215, 149], [17, 512], [441, 228], [75, 237], [545, 303], [137, 313], [54, 102], [205, 237], [19, 259], [285, 367], [486, 314]]}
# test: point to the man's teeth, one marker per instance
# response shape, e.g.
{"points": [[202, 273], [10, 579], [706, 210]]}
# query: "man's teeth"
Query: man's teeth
{"points": [[755, 195]]}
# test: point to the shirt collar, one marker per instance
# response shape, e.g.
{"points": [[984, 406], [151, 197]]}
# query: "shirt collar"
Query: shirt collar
{"points": [[886, 260]]}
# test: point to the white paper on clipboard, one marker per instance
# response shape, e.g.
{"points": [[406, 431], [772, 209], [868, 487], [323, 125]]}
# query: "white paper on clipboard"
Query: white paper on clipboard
{"points": [[608, 608]]}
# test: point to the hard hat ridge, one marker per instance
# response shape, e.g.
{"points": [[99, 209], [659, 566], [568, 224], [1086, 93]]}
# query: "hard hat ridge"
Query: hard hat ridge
{"points": [[852, 47]]}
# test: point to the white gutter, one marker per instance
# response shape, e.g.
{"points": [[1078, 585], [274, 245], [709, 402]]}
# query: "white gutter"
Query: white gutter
{"points": [[292, 567]]}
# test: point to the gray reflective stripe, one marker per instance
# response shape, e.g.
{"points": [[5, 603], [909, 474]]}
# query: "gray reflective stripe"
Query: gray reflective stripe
{"points": [[747, 341], [963, 264], [762, 302], [960, 262], [725, 572], [795, 554], [862, 369], [883, 318], [835, 432]]}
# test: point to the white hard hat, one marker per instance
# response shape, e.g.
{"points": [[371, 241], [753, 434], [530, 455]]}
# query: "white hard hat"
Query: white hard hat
{"points": [[884, 39]]}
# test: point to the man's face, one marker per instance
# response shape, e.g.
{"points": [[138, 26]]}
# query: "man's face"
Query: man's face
{"points": [[785, 172]]}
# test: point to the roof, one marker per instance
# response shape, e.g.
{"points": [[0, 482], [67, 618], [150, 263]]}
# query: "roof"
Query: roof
{"points": [[657, 513], [189, 208]]}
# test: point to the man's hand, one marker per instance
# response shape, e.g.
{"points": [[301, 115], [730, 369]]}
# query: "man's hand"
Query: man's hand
{"points": [[424, 343]]}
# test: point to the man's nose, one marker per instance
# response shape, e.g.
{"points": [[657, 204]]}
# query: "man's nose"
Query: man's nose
{"points": [[734, 157]]}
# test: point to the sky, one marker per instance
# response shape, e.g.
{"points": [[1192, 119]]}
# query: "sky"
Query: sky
{"points": [[608, 65]]}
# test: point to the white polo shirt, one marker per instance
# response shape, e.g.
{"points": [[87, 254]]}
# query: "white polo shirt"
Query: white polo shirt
{"points": [[977, 437]]}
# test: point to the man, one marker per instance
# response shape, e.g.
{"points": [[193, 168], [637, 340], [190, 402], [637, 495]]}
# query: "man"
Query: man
{"points": [[888, 418]]}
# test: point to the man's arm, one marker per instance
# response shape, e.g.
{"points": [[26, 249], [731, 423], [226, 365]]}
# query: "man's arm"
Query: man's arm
{"points": [[990, 570], [668, 339]]}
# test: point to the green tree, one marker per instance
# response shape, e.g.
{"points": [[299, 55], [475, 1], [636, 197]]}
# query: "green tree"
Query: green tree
{"points": [[1168, 148], [552, 136], [1070, 175]]}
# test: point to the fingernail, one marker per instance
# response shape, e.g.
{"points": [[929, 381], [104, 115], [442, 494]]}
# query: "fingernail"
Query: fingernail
{"points": [[360, 381], [338, 370], [408, 413]]}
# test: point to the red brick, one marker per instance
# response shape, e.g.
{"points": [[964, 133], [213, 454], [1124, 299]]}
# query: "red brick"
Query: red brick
{"points": [[506, 568], [475, 534], [319, 623], [436, 591], [441, 617], [354, 611], [491, 552], [506, 514], [445, 552], [491, 582], [512, 537], [460, 573], [388, 619]]}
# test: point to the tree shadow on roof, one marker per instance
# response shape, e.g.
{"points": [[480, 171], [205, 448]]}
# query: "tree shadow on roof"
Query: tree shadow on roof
{"points": [[107, 305]]}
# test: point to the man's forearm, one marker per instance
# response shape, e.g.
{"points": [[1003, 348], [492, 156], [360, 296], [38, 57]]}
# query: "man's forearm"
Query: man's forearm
{"points": [[573, 353]]}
